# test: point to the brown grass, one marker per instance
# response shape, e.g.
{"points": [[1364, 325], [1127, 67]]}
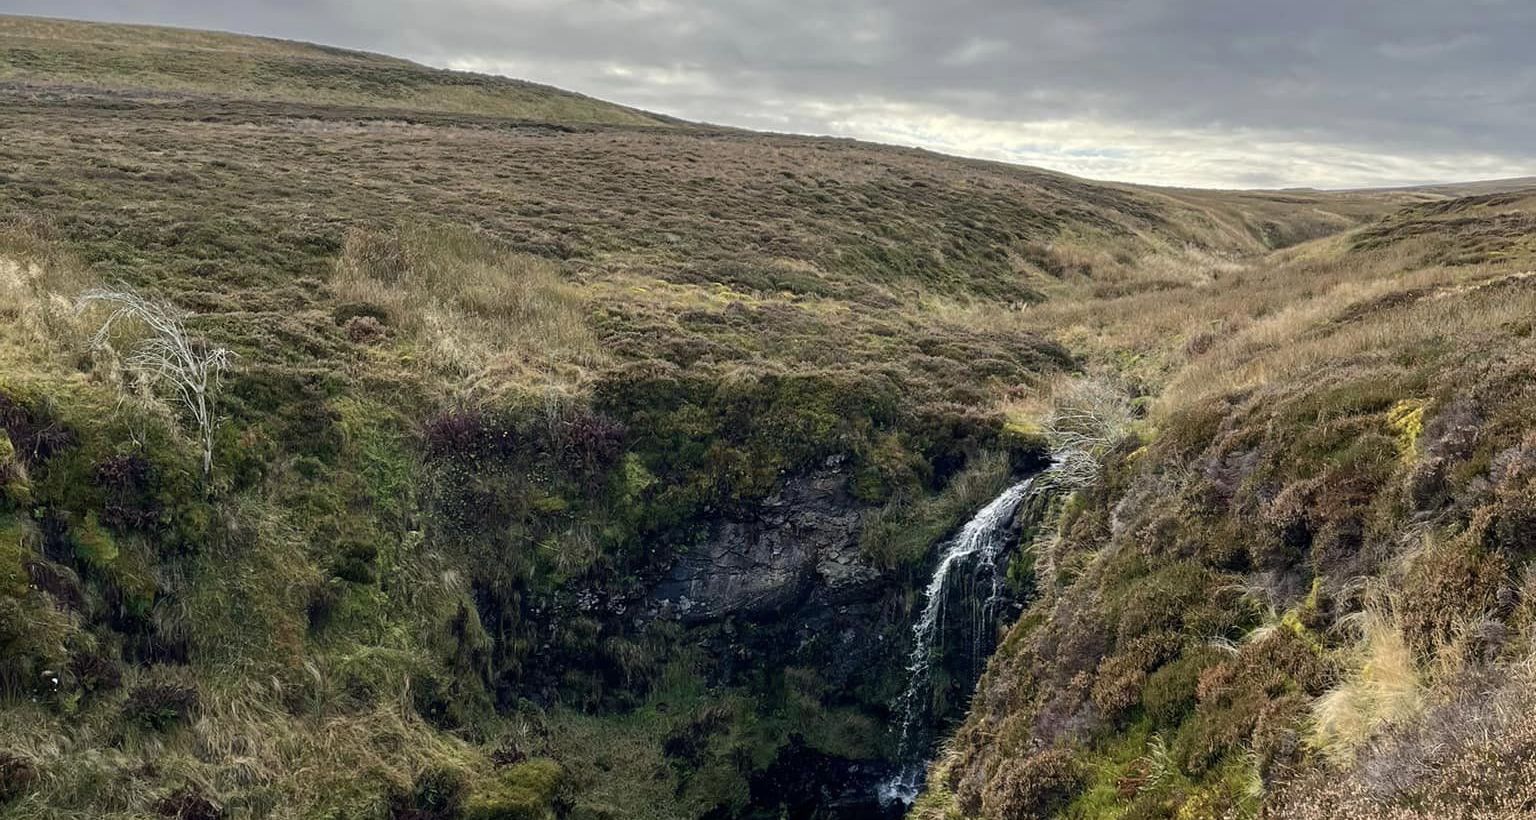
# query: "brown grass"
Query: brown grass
{"points": [[242, 743], [38, 286], [1384, 688], [298, 234], [1468, 758], [473, 310], [159, 62]]}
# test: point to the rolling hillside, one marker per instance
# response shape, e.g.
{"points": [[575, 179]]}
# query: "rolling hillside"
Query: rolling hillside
{"points": [[579, 462], [62, 57]]}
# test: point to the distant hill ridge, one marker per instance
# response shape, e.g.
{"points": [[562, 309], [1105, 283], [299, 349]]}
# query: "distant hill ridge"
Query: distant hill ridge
{"points": [[153, 60]]}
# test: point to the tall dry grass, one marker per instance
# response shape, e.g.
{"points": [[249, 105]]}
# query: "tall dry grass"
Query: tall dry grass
{"points": [[38, 285], [1351, 319], [1190, 323], [244, 751], [1385, 687], [1467, 758], [469, 308]]}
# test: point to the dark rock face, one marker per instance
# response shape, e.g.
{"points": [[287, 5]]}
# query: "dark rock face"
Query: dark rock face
{"points": [[801, 546], [785, 593], [804, 784]]}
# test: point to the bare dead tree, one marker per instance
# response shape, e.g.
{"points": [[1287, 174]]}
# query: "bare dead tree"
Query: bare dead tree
{"points": [[167, 356], [1088, 417]]}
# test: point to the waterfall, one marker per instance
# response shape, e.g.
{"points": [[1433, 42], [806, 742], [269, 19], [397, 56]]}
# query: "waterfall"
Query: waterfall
{"points": [[969, 557]]}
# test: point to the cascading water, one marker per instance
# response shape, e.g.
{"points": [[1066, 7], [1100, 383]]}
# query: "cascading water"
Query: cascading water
{"points": [[977, 545]]}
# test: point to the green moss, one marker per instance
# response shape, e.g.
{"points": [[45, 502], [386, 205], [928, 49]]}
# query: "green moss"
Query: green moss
{"points": [[1169, 693], [437, 792], [1025, 442], [15, 534], [131, 576], [458, 573], [1112, 769], [93, 544], [549, 504], [1237, 694], [15, 490], [886, 467], [635, 478], [715, 440], [1161, 600], [839, 731], [377, 442], [901, 534]]}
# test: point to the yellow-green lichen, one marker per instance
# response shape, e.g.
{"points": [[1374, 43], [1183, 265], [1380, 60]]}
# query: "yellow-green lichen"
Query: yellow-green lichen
{"points": [[1406, 418]]}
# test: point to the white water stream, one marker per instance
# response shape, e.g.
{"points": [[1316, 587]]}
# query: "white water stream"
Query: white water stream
{"points": [[970, 556]]}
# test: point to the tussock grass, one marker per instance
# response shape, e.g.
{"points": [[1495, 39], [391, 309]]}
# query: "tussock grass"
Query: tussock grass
{"points": [[1384, 687], [728, 258], [1467, 758], [937, 801], [38, 285], [244, 751], [1389, 316], [1347, 407], [477, 311]]}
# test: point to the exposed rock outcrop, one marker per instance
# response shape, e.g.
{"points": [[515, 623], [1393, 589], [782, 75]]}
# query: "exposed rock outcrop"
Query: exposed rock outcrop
{"points": [[800, 546]]}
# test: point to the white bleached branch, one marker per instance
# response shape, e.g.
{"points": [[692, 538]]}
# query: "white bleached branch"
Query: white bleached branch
{"points": [[167, 356]]}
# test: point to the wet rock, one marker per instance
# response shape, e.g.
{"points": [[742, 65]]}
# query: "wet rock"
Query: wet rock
{"points": [[801, 545]]}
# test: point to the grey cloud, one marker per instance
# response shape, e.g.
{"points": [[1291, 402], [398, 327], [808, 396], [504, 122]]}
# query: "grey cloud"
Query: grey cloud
{"points": [[1323, 85]]}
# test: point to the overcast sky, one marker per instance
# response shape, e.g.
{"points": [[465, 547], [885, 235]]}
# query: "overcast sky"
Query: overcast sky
{"points": [[1236, 93]]}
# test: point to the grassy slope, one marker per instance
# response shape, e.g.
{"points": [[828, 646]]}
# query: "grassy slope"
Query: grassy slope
{"points": [[336, 589], [173, 63], [1303, 577]]}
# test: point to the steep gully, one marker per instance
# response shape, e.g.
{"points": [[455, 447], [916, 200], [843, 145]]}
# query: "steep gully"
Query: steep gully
{"points": [[794, 570], [786, 585], [970, 564]]}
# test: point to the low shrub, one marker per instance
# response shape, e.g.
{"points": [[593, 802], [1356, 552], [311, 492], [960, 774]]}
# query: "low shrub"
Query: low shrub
{"points": [[31, 423], [127, 486], [1121, 677], [95, 672], [1232, 696], [1169, 692], [189, 803], [365, 330], [94, 544], [1035, 786], [1450, 584]]}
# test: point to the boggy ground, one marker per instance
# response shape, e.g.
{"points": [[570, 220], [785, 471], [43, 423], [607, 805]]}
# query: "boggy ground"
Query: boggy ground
{"points": [[504, 357]]}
